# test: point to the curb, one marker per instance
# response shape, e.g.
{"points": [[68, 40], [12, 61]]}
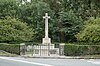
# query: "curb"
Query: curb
{"points": [[52, 57], [61, 57]]}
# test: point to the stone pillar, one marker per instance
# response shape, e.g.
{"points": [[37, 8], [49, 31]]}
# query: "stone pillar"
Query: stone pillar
{"points": [[22, 48], [61, 49]]}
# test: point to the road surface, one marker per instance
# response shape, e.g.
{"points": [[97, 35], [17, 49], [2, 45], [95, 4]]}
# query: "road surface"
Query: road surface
{"points": [[17, 61]]}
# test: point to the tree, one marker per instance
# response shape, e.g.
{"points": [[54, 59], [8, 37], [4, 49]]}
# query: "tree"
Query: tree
{"points": [[83, 8], [91, 31], [32, 13], [8, 8], [69, 25], [12, 29]]}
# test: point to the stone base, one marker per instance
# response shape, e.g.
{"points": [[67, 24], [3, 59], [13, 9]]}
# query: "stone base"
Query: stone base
{"points": [[46, 41], [45, 50]]}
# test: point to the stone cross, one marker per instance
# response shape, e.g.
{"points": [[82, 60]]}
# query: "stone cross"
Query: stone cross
{"points": [[46, 40], [46, 17]]}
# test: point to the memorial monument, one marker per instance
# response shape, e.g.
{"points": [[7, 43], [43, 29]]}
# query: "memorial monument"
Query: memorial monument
{"points": [[46, 48], [46, 40]]}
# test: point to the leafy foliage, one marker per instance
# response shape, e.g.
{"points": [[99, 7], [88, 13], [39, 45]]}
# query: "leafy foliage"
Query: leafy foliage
{"points": [[8, 8], [11, 48], [91, 31], [83, 8], [69, 25], [80, 50], [66, 16], [12, 29]]}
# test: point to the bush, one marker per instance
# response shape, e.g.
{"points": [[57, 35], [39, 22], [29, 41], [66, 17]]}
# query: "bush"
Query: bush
{"points": [[78, 50], [91, 31], [11, 48], [12, 29]]}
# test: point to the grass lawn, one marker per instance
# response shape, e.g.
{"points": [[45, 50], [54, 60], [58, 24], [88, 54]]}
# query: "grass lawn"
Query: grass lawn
{"points": [[28, 52]]}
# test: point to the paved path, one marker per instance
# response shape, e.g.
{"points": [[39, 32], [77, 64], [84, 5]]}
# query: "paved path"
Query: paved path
{"points": [[17, 61]]}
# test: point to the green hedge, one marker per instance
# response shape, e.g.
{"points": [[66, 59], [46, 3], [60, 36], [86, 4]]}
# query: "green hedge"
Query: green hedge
{"points": [[11, 48], [78, 50]]}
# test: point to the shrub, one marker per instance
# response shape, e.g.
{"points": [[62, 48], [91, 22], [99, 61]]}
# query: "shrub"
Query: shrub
{"points": [[11, 48], [91, 31], [78, 50], [12, 29]]}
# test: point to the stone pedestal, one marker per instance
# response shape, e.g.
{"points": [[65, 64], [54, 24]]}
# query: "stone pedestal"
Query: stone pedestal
{"points": [[46, 41], [45, 50]]}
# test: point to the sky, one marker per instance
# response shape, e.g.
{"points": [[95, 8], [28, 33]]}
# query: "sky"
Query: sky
{"points": [[28, 0]]}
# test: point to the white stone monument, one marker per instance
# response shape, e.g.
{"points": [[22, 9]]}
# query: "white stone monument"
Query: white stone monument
{"points": [[46, 48], [46, 40]]}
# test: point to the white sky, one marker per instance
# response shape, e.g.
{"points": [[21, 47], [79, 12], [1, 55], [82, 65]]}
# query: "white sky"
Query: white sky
{"points": [[29, 0]]}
